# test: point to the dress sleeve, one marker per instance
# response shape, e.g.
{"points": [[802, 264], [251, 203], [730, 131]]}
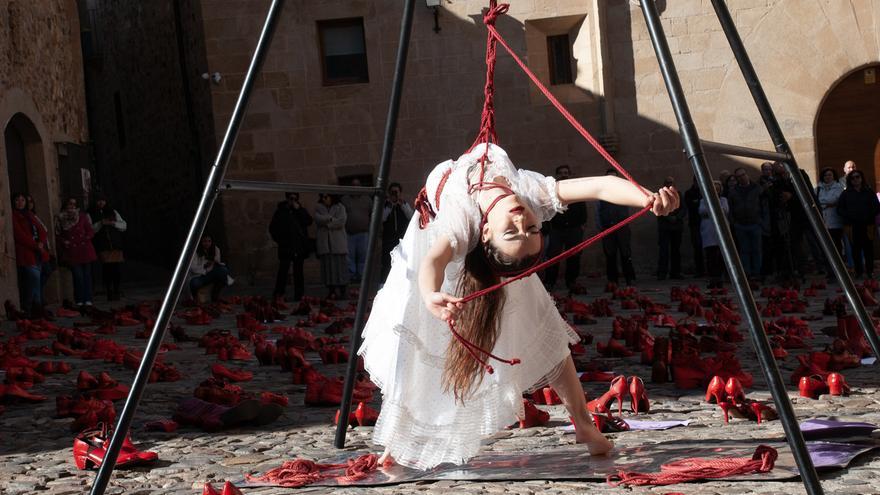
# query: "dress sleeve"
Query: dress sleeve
{"points": [[459, 221], [540, 192]]}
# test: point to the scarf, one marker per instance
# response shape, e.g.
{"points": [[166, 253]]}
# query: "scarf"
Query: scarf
{"points": [[69, 218]]}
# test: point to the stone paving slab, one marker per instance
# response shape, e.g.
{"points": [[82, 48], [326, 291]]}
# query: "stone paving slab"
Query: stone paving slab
{"points": [[35, 448]]}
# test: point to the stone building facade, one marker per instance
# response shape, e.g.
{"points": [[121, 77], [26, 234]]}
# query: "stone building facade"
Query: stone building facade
{"points": [[319, 107], [42, 114], [301, 129], [150, 117]]}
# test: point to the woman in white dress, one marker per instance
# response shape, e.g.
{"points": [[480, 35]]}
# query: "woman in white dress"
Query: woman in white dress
{"points": [[439, 395]]}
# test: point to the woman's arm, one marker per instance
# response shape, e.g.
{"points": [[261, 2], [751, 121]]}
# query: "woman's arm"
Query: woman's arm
{"points": [[431, 272], [322, 216], [120, 225], [618, 191], [338, 217]]}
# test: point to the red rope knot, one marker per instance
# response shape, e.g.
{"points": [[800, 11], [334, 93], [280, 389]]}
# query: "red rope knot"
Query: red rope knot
{"points": [[767, 455], [423, 206], [494, 12], [360, 468]]}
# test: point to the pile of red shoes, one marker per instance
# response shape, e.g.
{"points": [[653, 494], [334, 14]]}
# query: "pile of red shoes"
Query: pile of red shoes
{"points": [[104, 387], [90, 446], [87, 412], [815, 385], [219, 391], [532, 416], [228, 489], [225, 345], [215, 417], [324, 391], [363, 415], [161, 371]]}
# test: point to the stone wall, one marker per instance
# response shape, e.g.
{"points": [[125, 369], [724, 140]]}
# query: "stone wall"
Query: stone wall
{"points": [[150, 118], [300, 131], [41, 80]]}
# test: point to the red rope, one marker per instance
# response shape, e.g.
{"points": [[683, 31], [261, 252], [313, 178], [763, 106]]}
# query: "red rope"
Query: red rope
{"points": [[695, 468], [301, 472], [488, 134]]}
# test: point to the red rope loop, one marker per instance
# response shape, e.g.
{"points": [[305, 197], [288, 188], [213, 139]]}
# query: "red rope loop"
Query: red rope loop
{"points": [[693, 469]]}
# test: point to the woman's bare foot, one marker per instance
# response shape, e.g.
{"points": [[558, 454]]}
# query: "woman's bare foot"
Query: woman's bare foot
{"points": [[385, 460], [595, 441]]}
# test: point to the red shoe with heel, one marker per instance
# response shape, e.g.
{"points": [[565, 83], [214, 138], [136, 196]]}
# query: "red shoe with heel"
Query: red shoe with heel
{"points": [[601, 405], [638, 396]]}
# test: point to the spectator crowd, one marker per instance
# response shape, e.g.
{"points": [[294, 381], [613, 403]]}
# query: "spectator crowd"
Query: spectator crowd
{"points": [[769, 224]]}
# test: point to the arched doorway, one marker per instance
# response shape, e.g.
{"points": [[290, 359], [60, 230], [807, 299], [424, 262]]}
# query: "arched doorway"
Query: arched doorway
{"points": [[24, 162], [847, 124]]}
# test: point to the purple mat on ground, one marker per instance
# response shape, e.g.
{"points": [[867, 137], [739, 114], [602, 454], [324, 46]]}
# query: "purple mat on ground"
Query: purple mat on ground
{"points": [[639, 424], [572, 462], [828, 428]]}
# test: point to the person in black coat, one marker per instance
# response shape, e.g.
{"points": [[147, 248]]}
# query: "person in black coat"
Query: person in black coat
{"points": [[566, 231], [692, 199], [858, 206], [289, 229]]}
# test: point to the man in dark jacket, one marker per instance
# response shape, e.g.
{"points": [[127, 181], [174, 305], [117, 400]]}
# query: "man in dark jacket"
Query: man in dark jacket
{"points": [[669, 231], [692, 198], [566, 231], [617, 243], [744, 201], [289, 228]]}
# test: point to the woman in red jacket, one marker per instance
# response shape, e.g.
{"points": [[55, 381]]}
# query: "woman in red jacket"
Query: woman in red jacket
{"points": [[75, 240], [30, 254]]}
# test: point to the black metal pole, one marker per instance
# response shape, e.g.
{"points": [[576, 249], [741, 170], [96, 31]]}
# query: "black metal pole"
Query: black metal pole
{"points": [[730, 149], [731, 258], [209, 194], [801, 189], [265, 186], [376, 217]]}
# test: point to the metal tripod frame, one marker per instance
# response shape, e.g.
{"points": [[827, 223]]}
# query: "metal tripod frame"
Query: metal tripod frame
{"points": [[694, 148]]}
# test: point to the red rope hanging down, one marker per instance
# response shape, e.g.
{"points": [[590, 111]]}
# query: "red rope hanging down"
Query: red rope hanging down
{"points": [[694, 469], [488, 134]]}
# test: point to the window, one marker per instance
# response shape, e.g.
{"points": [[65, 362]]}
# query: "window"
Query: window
{"points": [[343, 51], [559, 57]]}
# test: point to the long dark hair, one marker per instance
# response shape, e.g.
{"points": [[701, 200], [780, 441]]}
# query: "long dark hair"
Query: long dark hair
{"points": [[211, 253], [478, 320]]}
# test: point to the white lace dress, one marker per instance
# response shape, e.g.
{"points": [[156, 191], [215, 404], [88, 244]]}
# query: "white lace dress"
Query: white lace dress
{"points": [[404, 344]]}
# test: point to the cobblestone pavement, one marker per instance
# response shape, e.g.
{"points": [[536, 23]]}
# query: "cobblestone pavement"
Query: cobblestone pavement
{"points": [[35, 448]]}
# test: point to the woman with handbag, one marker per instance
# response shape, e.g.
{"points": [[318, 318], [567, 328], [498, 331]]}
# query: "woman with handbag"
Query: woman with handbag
{"points": [[30, 253], [75, 235], [108, 226]]}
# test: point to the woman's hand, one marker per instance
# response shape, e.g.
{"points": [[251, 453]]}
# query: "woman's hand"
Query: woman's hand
{"points": [[663, 202], [443, 305]]}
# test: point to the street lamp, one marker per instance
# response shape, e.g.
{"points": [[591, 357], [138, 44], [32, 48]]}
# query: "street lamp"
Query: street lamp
{"points": [[435, 6]]}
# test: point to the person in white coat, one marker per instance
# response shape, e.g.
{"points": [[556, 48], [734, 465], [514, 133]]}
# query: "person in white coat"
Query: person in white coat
{"points": [[331, 244]]}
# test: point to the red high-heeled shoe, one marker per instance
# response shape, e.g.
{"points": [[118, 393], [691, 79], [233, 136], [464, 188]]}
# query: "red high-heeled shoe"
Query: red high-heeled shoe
{"points": [[716, 390], [837, 384], [725, 408], [812, 387], [638, 397], [602, 404], [90, 446], [533, 416], [551, 398], [228, 489], [609, 424], [734, 390]]}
